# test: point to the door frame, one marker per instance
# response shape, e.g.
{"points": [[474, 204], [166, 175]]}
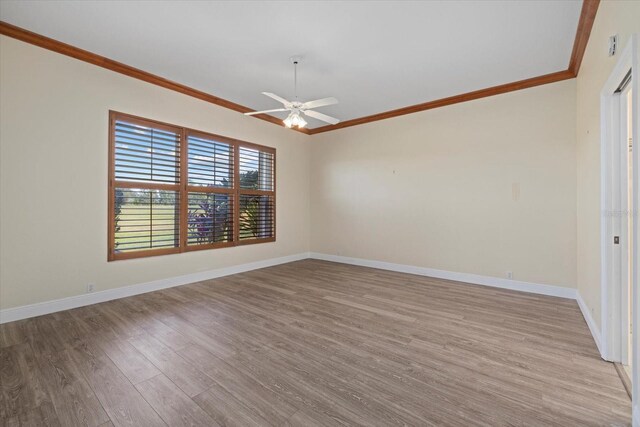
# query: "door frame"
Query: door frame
{"points": [[613, 209], [626, 210]]}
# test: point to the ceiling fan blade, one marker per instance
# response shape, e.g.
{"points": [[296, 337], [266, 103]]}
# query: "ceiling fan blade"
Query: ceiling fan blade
{"points": [[319, 103], [323, 117], [277, 98], [265, 111]]}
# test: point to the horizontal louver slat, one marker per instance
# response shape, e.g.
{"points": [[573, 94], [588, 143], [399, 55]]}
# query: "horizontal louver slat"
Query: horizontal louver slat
{"points": [[256, 217], [137, 130], [256, 169], [145, 219], [210, 218], [146, 154], [209, 163]]}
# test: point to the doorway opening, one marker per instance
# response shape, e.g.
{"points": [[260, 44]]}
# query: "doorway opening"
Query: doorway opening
{"points": [[620, 227]]}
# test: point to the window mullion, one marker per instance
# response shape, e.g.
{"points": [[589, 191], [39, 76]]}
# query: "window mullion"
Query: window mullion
{"points": [[236, 192], [111, 235], [184, 195]]}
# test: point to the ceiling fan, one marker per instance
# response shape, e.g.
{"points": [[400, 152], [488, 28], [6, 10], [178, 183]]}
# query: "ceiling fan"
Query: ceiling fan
{"points": [[296, 108]]}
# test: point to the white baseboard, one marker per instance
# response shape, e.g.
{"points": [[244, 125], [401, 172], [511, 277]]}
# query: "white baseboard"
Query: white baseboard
{"points": [[39, 309], [593, 327], [496, 282], [33, 310]]}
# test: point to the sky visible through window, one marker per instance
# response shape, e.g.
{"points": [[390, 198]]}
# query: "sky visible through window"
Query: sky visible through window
{"points": [[210, 162], [144, 154]]}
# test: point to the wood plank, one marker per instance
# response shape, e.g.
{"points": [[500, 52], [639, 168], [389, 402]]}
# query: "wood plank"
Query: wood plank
{"points": [[273, 288], [129, 360], [168, 336], [243, 387], [13, 333], [74, 400], [123, 403], [228, 411], [371, 309], [175, 407], [342, 345], [21, 386], [308, 418], [624, 377], [185, 375], [43, 415]]}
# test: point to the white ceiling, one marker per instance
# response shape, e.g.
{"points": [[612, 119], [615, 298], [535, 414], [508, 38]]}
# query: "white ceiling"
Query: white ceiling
{"points": [[372, 56]]}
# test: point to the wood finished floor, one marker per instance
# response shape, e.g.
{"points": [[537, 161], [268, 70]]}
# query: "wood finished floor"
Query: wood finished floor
{"points": [[311, 343]]}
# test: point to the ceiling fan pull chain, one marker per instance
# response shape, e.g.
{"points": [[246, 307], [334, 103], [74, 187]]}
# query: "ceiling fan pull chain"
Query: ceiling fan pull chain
{"points": [[295, 79], [296, 108]]}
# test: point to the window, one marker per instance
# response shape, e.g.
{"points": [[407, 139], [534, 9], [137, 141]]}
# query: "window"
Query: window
{"points": [[173, 189]]}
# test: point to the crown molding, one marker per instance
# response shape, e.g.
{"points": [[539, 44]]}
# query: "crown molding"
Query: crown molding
{"points": [[35, 39], [469, 96], [585, 24]]}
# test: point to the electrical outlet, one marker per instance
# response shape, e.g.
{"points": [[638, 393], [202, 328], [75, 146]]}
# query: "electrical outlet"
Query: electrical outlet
{"points": [[509, 274], [90, 287]]}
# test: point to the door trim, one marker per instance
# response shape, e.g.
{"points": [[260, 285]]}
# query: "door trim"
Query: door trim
{"points": [[613, 210]]}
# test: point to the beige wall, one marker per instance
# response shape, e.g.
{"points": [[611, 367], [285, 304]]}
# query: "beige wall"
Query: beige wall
{"points": [[613, 17], [483, 187], [53, 189]]}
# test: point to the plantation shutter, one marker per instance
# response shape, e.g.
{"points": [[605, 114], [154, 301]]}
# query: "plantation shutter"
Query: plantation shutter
{"points": [[256, 194], [146, 179], [173, 189], [211, 198]]}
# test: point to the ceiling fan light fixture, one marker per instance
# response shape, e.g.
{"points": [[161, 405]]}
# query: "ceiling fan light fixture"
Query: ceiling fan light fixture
{"points": [[301, 122], [296, 108], [295, 120]]}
